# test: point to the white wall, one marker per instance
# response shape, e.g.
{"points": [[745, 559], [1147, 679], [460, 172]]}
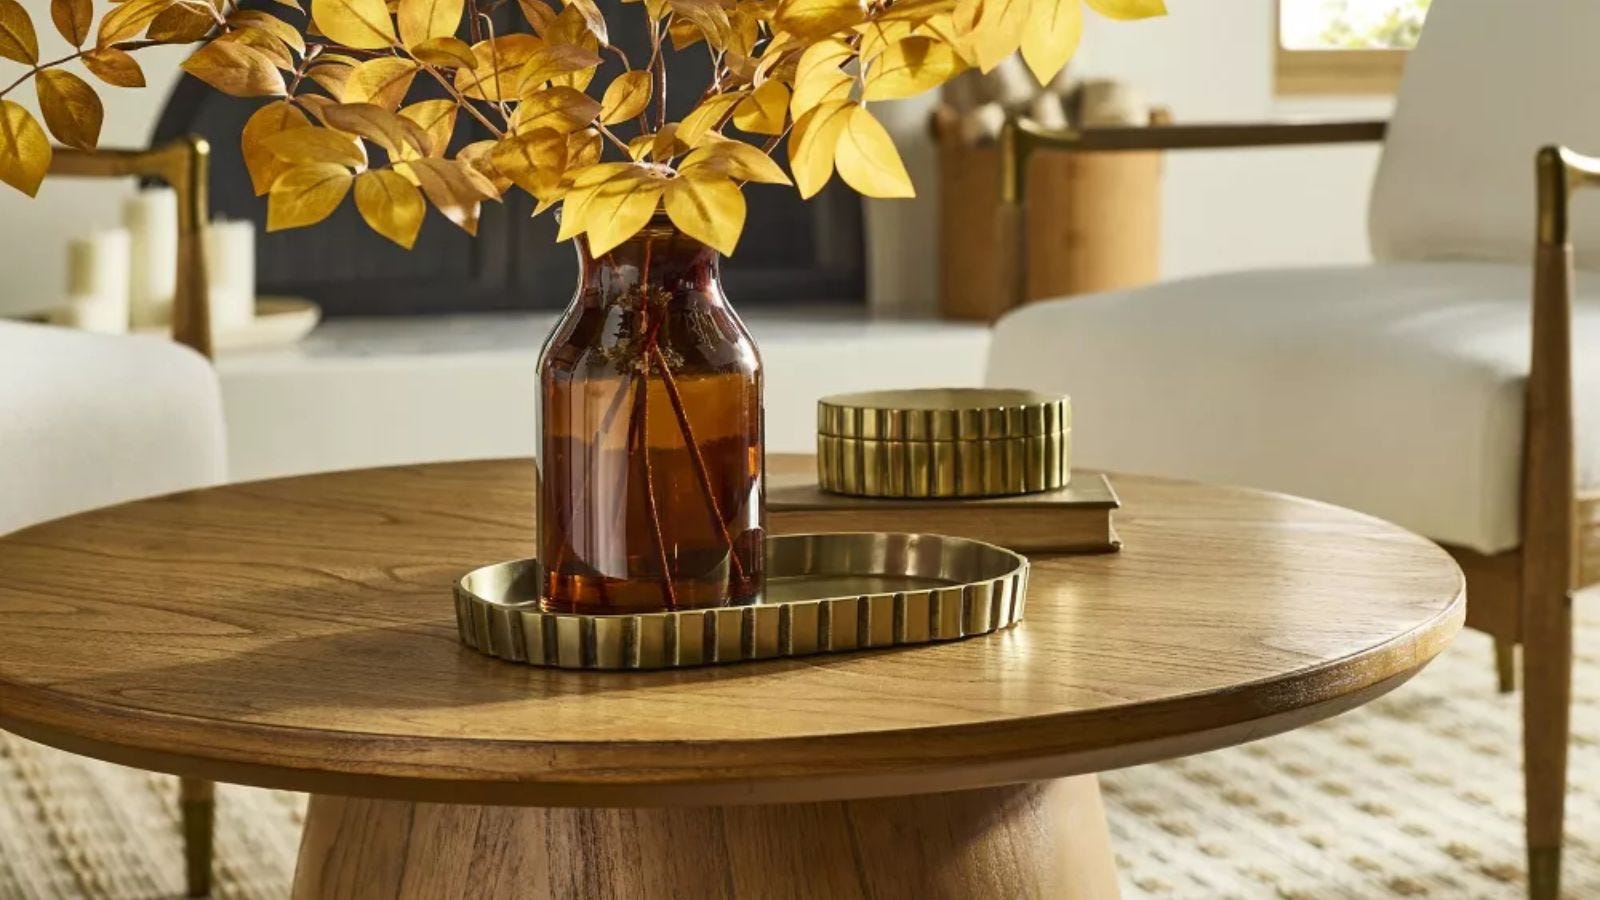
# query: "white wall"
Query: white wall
{"points": [[1207, 61], [1210, 60], [33, 233]]}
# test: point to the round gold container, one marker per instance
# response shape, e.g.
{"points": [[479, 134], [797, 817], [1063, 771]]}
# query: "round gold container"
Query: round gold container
{"points": [[943, 442]]}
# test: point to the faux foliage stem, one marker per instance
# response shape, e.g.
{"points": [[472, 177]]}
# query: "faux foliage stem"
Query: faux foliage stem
{"points": [[701, 470]]}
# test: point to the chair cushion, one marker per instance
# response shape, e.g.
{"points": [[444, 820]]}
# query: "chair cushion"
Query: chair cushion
{"points": [[87, 420], [1395, 389], [1489, 83]]}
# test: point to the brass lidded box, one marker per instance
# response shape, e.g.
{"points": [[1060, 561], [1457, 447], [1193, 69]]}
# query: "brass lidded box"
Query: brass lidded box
{"points": [[943, 442]]}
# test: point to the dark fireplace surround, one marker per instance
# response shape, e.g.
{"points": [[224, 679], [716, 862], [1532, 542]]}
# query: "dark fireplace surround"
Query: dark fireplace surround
{"points": [[792, 251]]}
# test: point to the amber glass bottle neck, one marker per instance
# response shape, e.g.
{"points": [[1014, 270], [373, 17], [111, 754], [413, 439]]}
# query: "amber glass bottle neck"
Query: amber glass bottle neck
{"points": [[660, 257]]}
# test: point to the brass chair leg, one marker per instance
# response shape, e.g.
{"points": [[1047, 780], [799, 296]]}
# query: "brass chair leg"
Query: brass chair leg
{"points": [[197, 802], [1505, 664]]}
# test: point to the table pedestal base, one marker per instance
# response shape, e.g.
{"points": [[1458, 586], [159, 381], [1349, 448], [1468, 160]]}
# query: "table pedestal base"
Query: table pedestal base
{"points": [[1046, 839]]}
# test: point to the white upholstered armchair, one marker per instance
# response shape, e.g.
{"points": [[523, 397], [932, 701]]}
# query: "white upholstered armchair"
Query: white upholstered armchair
{"points": [[1445, 387]]}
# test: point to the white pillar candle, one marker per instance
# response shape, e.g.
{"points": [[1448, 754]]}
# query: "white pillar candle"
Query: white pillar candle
{"points": [[151, 217], [97, 282], [231, 262]]}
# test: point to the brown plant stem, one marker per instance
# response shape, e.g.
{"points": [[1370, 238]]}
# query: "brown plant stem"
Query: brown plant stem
{"points": [[658, 65], [638, 428], [701, 470], [40, 67], [461, 100]]}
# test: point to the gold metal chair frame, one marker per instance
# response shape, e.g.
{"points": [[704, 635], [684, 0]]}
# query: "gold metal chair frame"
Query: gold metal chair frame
{"points": [[1521, 596], [184, 164]]}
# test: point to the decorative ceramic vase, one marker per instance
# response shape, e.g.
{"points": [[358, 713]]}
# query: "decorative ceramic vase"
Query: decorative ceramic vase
{"points": [[652, 453]]}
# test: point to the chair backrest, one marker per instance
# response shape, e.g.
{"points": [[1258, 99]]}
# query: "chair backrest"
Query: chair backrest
{"points": [[1489, 83]]}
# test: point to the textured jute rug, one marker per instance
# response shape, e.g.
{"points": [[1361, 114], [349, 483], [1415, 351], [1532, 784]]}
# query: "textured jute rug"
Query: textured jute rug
{"points": [[1415, 795]]}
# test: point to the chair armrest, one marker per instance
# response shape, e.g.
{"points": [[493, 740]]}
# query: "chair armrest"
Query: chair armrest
{"points": [[1552, 564], [183, 164], [1019, 138]]}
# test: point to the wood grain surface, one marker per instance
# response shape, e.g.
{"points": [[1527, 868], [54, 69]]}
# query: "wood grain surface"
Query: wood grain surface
{"points": [[299, 634], [1034, 840]]}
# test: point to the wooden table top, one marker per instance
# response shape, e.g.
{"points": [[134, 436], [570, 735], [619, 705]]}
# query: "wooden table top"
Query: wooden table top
{"points": [[299, 633]]}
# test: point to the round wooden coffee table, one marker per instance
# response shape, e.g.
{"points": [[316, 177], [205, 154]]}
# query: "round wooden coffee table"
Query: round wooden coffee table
{"points": [[299, 634]]}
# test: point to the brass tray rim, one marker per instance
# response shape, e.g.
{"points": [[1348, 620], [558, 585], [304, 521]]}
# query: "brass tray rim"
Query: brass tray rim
{"points": [[520, 631]]}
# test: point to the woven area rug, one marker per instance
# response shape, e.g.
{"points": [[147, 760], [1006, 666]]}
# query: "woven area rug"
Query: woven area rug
{"points": [[1416, 795]]}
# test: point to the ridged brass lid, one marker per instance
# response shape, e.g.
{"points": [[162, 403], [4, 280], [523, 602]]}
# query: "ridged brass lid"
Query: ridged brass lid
{"points": [[943, 442]]}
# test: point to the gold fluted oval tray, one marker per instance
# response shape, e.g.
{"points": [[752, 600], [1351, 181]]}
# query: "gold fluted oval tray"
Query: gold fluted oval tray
{"points": [[826, 593]]}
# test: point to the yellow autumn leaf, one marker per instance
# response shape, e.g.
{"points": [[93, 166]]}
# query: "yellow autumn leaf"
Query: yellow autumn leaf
{"points": [[262, 164], [585, 180], [812, 143], [422, 20], [735, 159], [124, 21], [382, 82], [1128, 9], [665, 145], [237, 69], [476, 155], [311, 144], [187, 22], [71, 18], [445, 53], [553, 61], [357, 24], [593, 19], [811, 19], [993, 28], [823, 56], [626, 97], [765, 111], [1052, 38], [708, 117], [915, 10], [876, 36], [639, 147], [570, 27], [24, 149], [454, 187], [622, 205], [17, 38], [911, 66], [867, 159], [437, 118], [497, 74], [278, 28], [561, 108], [391, 205], [378, 125], [818, 77], [254, 38], [708, 18], [534, 162], [707, 207], [332, 74], [539, 15], [114, 67], [71, 108], [305, 195]]}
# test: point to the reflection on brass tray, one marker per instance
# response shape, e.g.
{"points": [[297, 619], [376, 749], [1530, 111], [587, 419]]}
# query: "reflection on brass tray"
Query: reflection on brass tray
{"points": [[826, 593]]}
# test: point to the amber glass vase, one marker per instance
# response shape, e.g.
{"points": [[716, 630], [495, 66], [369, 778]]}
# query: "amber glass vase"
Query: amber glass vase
{"points": [[651, 488]]}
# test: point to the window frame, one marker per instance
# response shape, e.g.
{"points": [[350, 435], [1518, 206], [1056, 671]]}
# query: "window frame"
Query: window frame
{"points": [[1298, 72]]}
